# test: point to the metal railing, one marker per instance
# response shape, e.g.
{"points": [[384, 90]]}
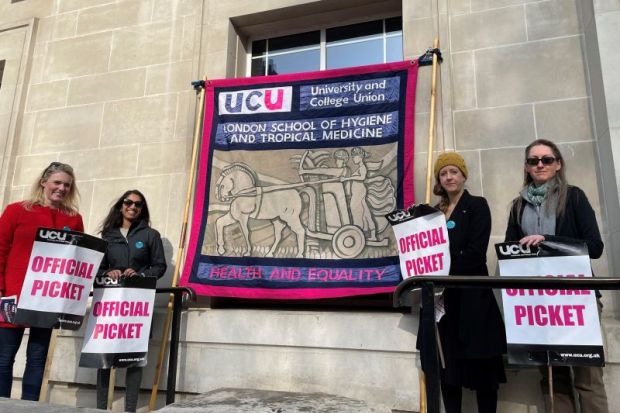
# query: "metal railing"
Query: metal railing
{"points": [[427, 321], [181, 295]]}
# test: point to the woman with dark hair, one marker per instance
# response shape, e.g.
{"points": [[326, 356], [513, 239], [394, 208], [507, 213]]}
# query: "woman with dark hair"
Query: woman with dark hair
{"points": [[472, 332], [52, 204], [134, 249], [549, 209]]}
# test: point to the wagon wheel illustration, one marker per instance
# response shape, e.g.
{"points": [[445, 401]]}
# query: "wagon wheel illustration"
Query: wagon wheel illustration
{"points": [[349, 241]]}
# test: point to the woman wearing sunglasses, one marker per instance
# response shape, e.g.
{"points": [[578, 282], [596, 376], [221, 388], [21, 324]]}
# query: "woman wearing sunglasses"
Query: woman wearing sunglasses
{"points": [[549, 209], [134, 249], [52, 204]]}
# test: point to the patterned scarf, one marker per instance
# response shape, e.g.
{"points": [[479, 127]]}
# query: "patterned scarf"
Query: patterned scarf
{"points": [[536, 194]]}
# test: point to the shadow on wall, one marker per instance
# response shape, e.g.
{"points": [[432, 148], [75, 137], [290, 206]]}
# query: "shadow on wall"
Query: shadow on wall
{"points": [[166, 280]]}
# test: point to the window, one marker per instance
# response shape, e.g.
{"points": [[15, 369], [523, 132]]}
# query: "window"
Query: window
{"points": [[287, 54], [378, 41]]}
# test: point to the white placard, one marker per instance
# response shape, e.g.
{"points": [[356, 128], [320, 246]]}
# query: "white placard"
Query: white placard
{"points": [[423, 245], [119, 321]]}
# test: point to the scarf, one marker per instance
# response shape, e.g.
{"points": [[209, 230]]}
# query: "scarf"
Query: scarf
{"points": [[536, 194]]}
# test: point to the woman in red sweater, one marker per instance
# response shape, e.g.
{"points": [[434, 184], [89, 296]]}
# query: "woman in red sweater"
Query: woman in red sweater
{"points": [[52, 204]]}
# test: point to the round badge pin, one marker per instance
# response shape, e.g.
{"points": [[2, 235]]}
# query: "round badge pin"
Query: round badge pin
{"points": [[451, 224], [139, 244]]}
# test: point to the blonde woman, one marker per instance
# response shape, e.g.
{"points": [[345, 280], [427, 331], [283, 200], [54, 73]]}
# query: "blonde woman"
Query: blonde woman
{"points": [[472, 332], [52, 204]]}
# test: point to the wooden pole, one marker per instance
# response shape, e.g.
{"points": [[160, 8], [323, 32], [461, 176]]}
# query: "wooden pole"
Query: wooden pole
{"points": [[111, 386], [429, 178], [431, 126], [175, 277], [48, 367], [550, 378], [422, 379]]}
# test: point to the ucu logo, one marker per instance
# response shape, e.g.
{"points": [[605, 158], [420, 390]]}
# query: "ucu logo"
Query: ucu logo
{"points": [[52, 235], [399, 215], [243, 102], [105, 281], [514, 249]]}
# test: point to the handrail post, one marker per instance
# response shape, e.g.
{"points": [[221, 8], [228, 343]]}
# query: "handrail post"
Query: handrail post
{"points": [[431, 361], [171, 388]]}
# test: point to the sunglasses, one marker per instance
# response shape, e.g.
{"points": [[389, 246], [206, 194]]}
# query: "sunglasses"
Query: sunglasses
{"points": [[54, 166], [129, 202], [546, 160]]}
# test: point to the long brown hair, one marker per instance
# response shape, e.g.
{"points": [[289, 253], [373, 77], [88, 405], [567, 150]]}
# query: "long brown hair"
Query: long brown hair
{"points": [[444, 201], [559, 185], [69, 203], [114, 219]]}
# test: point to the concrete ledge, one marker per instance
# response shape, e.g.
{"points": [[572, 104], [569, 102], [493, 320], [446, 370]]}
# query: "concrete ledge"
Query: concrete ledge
{"points": [[23, 406]]}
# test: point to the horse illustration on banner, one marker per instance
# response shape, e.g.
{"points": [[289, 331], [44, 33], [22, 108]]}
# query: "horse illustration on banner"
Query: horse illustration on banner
{"points": [[282, 206]]}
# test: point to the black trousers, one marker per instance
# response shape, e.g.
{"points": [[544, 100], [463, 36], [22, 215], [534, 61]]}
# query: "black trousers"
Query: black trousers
{"points": [[452, 395], [133, 378]]}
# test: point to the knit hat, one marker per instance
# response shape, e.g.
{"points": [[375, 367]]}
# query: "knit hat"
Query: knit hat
{"points": [[450, 158]]}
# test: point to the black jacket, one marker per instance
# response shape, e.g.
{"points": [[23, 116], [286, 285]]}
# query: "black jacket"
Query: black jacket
{"points": [[472, 327], [142, 250], [578, 223]]}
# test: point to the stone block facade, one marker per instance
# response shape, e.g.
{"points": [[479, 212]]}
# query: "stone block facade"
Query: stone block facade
{"points": [[105, 86]]}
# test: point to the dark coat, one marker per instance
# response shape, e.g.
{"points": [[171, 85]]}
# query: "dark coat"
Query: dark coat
{"points": [[472, 327], [142, 250], [577, 224]]}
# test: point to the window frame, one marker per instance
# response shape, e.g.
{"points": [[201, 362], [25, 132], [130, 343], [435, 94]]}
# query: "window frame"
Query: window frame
{"points": [[323, 45]]}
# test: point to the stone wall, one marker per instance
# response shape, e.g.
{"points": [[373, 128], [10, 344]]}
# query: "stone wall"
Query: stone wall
{"points": [[108, 92], [104, 86]]}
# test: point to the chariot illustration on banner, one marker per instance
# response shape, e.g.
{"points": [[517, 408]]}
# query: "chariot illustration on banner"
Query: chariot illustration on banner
{"points": [[332, 205]]}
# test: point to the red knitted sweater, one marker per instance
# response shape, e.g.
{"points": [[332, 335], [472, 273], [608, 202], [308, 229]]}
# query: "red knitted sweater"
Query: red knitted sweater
{"points": [[18, 227]]}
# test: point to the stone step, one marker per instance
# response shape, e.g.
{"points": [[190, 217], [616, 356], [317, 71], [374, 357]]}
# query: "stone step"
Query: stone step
{"points": [[263, 401]]}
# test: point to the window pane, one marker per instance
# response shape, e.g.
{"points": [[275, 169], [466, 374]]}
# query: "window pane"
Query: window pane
{"points": [[354, 54], [259, 47], [258, 67], [395, 24], [345, 46], [354, 30], [305, 61], [394, 48], [295, 41]]}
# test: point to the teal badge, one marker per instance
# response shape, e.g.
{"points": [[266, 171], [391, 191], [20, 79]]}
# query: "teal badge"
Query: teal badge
{"points": [[451, 224], [139, 244]]}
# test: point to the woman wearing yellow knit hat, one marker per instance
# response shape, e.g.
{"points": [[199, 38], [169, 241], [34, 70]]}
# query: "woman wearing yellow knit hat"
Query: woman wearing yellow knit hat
{"points": [[472, 332]]}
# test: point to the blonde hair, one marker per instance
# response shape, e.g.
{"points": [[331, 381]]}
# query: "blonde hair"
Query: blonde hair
{"points": [[37, 196]]}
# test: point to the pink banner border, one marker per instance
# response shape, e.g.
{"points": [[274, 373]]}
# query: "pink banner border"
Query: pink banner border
{"points": [[199, 197]]}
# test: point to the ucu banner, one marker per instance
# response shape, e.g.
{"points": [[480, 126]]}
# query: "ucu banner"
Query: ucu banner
{"points": [[247, 102], [296, 175]]}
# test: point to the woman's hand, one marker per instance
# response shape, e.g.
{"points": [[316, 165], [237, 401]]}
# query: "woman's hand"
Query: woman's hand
{"points": [[129, 272], [532, 240], [113, 274]]}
